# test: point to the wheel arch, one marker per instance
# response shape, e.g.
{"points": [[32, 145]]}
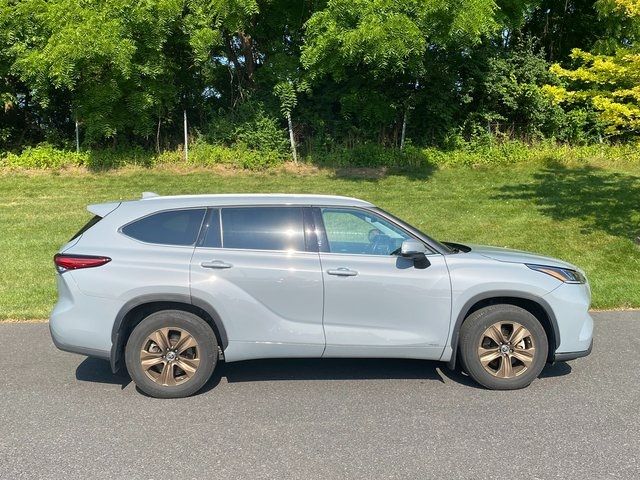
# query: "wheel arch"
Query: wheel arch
{"points": [[135, 310], [534, 304]]}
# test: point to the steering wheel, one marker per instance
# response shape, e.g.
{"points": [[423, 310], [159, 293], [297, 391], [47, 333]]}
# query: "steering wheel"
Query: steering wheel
{"points": [[380, 245]]}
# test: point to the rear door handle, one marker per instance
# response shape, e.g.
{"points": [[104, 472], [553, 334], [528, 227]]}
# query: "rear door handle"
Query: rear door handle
{"points": [[216, 264], [342, 272]]}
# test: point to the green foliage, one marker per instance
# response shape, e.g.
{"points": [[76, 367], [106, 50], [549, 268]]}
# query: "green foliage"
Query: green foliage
{"points": [[460, 153], [201, 154], [287, 93], [372, 156], [608, 82], [385, 38], [249, 126], [348, 72], [205, 154], [44, 156], [506, 95]]}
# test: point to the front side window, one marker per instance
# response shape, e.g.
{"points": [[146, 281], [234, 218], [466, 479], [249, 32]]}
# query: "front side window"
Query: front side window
{"points": [[263, 228], [357, 231], [175, 227]]}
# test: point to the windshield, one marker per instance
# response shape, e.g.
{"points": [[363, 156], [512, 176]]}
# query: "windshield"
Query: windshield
{"points": [[439, 245]]}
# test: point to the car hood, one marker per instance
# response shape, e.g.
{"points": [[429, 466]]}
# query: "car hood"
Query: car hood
{"points": [[518, 256]]}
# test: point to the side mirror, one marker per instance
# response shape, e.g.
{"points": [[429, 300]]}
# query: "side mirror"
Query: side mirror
{"points": [[412, 248], [415, 251]]}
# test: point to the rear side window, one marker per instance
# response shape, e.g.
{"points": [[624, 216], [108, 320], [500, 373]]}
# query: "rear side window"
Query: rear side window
{"points": [[263, 228], [87, 226], [175, 227]]}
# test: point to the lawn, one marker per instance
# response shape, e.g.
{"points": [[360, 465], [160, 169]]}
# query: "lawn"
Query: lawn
{"points": [[585, 214]]}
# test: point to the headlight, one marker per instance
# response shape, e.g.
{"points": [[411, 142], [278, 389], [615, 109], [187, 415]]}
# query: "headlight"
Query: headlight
{"points": [[565, 275]]}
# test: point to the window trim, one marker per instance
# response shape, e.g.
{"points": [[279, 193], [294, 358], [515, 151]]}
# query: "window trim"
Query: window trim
{"points": [[156, 212], [323, 244], [204, 229]]}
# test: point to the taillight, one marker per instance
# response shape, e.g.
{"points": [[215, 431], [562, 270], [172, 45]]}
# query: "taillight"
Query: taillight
{"points": [[74, 262]]}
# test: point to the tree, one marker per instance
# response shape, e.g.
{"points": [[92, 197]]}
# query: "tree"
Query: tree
{"points": [[287, 93], [610, 83], [121, 63], [378, 49]]}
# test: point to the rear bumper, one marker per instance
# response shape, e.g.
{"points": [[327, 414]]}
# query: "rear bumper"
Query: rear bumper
{"points": [[89, 352], [566, 356], [80, 323]]}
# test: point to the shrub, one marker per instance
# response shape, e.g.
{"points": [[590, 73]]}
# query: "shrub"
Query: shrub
{"points": [[371, 155], [206, 154], [249, 126], [115, 158], [44, 155]]}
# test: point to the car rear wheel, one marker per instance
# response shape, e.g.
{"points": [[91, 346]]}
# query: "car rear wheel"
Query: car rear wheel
{"points": [[503, 347], [171, 354]]}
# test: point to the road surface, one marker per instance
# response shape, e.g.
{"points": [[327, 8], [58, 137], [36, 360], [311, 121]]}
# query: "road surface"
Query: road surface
{"points": [[66, 416]]}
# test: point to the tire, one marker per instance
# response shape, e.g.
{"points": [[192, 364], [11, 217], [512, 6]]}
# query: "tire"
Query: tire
{"points": [[194, 347], [506, 370]]}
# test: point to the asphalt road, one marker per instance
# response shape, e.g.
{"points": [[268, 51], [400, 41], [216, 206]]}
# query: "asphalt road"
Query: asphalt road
{"points": [[65, 416]]}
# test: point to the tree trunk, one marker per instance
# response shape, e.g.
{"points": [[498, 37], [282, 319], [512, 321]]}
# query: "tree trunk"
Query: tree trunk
{"points": [[186, 139], [233, 59], [158, 136], [77, 136], [247, 52], [291, 139], [404, 128]]}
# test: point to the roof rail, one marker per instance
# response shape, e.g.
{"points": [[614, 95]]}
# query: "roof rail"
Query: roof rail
{"points": [[149, 195]]}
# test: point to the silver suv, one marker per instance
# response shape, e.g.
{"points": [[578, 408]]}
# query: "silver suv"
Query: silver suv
{"points": [[168, 286]]}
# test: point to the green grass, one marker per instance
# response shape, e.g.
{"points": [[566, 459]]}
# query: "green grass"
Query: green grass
{"points": [[588, 215]]}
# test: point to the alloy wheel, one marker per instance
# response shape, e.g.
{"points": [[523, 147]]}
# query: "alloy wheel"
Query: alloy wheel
{"points": [[506, 349], [170, 356]]}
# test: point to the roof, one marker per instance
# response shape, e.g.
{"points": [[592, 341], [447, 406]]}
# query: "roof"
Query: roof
{"points": [[153, 202], [255, 199]]}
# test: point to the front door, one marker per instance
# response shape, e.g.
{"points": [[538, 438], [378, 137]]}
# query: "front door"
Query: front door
{"points": [[378, 304]]}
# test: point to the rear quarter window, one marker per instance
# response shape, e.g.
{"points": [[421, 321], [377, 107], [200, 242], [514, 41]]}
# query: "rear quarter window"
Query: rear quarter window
{"points": [[174, 227]]}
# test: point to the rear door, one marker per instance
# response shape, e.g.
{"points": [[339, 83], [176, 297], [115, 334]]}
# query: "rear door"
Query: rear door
{"points": [[255, 268], [378, 304]]}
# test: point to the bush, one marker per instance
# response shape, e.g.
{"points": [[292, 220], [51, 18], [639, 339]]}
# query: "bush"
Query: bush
{"points": [[495, 154], [371, 155], [250, 127], [206, 154], [485, 152], [44, 156], [106, 159]]}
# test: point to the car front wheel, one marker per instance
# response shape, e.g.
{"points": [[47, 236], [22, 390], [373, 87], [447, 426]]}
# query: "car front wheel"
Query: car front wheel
{"points": [[171, 354], [503, 347]]}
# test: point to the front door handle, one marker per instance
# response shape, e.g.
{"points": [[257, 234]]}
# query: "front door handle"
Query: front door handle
{"points": [[342, 272], [216, 264]]}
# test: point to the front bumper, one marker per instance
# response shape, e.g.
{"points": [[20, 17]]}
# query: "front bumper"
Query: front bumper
{"points": [[570, 306]]}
